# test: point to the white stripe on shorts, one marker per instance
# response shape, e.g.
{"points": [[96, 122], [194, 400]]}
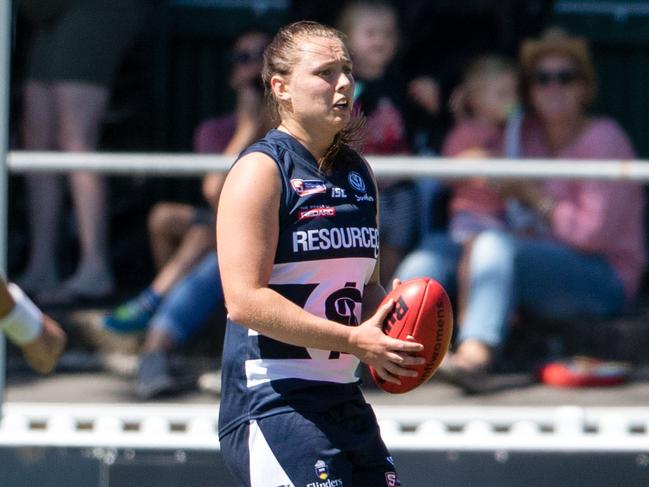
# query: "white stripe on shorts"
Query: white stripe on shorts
{"points": [[265, 470]]}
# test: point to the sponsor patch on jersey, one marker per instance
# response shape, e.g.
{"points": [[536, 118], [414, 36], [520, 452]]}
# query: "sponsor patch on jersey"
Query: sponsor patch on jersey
{"points": [[391, 479], [365, 197], [304, 187], [336, 238], [356, 181], [323, 211]]}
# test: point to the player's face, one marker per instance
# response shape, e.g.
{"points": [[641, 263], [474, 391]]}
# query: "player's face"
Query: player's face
{"points": [[557, 89], [319, 91]]}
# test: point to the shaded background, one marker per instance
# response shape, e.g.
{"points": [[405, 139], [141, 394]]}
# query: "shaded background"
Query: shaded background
{"points": [[175, 75]]}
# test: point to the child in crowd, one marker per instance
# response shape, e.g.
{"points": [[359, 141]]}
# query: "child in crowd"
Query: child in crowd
{"points": [[386, 101], [485, 104], [482, 104]]}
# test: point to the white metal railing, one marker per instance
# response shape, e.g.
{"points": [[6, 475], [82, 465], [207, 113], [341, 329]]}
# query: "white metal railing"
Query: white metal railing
{"points": [[165, 164], [18, 424], [474, 428]]}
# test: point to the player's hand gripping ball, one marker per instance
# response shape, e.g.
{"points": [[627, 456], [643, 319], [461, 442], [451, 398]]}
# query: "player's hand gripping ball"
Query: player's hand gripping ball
{"points": [[423, 311]]}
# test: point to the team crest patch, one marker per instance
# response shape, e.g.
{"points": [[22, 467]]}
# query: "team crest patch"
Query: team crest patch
{"points": [[392, 480], [304, 187], [356, 181], [321, 470]]}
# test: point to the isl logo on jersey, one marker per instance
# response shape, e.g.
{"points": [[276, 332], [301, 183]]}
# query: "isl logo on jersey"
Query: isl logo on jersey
{"points": [[356, 181]]}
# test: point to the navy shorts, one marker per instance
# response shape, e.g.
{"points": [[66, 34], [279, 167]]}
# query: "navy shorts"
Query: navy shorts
{"points": [[341, 447]]}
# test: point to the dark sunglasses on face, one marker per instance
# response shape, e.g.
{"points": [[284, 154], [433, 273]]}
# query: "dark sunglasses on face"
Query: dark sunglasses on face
{"points": [[562, 77], [247, 56]]}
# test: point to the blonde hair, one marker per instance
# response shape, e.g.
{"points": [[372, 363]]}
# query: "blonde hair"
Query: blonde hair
{"points": [[474, 75], [486, 66], [280, 57]]}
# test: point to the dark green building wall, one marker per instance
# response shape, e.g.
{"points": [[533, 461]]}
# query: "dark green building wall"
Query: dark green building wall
{"points": [[194, 60], [193, 66], [619, 36]]}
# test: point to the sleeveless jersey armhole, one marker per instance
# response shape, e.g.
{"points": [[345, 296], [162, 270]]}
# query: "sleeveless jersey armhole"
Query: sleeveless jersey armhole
{"points": [[283, 202]]}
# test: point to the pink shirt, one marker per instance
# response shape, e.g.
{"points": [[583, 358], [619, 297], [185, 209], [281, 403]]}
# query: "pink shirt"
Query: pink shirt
{"points": [[474, 195], [213, 135], [596, 216]]}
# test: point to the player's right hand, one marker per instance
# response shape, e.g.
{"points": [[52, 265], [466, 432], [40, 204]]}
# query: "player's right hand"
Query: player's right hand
{"points": [[389, 357]]}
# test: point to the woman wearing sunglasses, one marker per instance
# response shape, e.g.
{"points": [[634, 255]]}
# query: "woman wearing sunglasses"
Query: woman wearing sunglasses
{"points": [[589, 259]]}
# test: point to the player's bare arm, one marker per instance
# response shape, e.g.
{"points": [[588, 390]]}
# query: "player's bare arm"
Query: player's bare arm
{"points": [[249, 203]]}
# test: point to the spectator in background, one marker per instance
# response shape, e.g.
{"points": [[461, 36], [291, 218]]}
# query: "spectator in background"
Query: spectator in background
{"points": [[592, 260], [76, 49], [488, 94], [187, 289], [482, 104], [386, 100]]}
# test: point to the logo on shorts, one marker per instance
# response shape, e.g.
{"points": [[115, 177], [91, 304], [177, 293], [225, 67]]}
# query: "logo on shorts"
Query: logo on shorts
{"points": [[356, 181], [321, 470], [305, 187], [392, 480]]}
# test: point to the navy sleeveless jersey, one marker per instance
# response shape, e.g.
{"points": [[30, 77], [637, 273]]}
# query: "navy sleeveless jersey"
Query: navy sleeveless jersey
{"points": [[326, 252]]}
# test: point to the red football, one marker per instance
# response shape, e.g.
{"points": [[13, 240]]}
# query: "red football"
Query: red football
{"points": [[423, 310]]}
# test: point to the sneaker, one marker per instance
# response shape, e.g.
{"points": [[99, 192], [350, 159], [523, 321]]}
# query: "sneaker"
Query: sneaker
{"points": [[153, 376], [130, 317]]}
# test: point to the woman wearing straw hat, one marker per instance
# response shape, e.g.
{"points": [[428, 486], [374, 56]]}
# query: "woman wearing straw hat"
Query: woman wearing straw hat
{"points": [[590, 260]]}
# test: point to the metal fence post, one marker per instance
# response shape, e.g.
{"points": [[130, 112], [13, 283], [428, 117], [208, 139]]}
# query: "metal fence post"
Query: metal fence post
{"points": [[5, 79]]}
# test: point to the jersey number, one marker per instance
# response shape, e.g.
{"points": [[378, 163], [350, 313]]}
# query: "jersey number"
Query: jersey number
{"points": [[339, 306]]}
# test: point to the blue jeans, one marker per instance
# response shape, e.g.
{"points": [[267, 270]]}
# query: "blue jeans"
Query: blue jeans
{"points": [[186, 307], [507, 273]]}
